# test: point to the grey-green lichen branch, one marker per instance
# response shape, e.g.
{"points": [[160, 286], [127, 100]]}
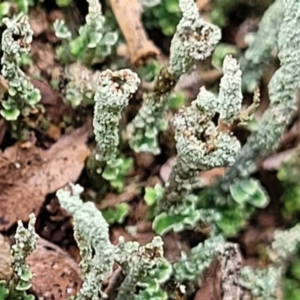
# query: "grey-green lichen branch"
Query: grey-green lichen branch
{"points": [[112, 95], [98, 255], [194, 40], [283, 89], [94, 42], [91, 234], [81, 84], [265, 283], [200, 143], [22, 96], [191, 267], [26, 240], [260, 50], [138, 265]]}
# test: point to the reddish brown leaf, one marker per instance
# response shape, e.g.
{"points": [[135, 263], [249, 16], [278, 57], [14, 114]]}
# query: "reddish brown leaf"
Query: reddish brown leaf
{"points": [[27, 175], [55, 274]]}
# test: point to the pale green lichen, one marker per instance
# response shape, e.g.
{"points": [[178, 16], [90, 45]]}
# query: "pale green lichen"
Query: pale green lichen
{"points": [[230, 95], [142, 260], [262, 283], [283, 89], [95, 39], [265, 283], [202, 145], [190, 267], [26, 240], [151, 286], [260, 50], [113, 93], [98, 254], [285, 244], [92, 236], [194, 40], [22, 96], [81, 84]]}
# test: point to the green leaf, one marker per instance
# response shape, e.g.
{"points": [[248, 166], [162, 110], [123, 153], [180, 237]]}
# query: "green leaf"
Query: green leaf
{"points": [[231, 221], [26, 275], [164, 223], [110, 38], [77, 46], [109, 173], [4, 8], [3, 290], [116, 214], [150, 196], [260, 199], [238, 193], [172, 6], [176, 101], [11, 114], [63, 3], [23, 286]]}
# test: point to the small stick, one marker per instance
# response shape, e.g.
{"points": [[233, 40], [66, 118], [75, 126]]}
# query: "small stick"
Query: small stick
{"points": [[128, 15]]}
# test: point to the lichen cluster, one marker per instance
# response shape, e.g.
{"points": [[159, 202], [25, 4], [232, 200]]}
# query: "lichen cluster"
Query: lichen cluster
{"points": [[22, 95], [193, 41]]}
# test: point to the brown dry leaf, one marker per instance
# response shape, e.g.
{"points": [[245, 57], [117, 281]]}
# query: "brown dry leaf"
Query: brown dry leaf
{"points": [[28, 175], [211, 286], [38, 22], [166, 169], [202, 4], [275, 161], [56, 276], [128, 15], [5, 257], [210, 177]]}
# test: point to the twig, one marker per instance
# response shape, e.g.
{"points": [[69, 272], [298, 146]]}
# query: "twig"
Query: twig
{"points": [[128, 15]]}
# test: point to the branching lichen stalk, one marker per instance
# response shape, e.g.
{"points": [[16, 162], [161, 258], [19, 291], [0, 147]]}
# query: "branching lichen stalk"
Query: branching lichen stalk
{"points": [[202, 145], [191, 267], [26, 240], [260, 50], [194, 40], [266, 283], [15, 41], [91, 234], [283, 89], [140, 264]]}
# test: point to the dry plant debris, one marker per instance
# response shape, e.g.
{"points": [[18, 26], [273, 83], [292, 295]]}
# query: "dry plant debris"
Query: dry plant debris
{"points": [[128, 15], [30, 174], [56, 275]]}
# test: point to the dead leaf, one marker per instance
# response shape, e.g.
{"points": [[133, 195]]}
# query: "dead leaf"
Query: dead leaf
{"points": [[5, 257], [211, 286], [274, 162], [38, 21], [56, 276], [210, 177], [202, 4], [28, 175], [166, 169]]}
